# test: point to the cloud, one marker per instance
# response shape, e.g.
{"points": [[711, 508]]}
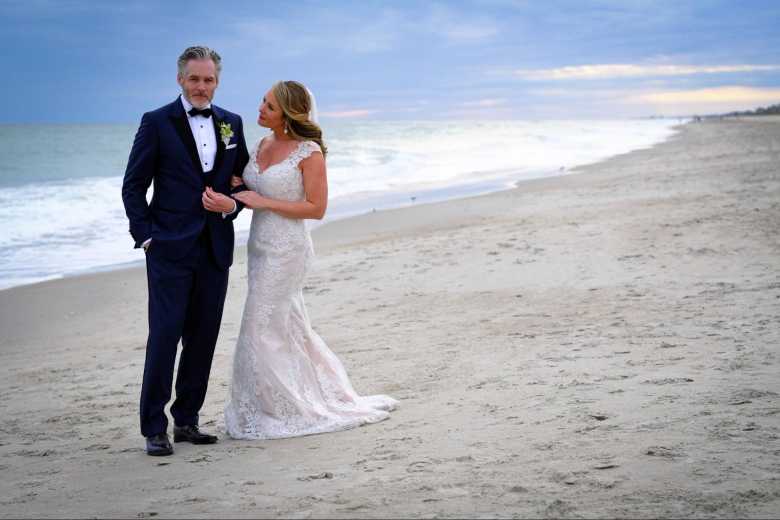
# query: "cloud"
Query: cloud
{"points": [[321, 30], [356, 30], [456, 28], [644, 101], [485, 103], [344, 114], [717, 95], [609, 71]]}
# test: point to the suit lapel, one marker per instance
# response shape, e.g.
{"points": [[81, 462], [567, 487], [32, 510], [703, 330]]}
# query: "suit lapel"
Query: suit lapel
{"points": [[217, 118], [182, 126]]}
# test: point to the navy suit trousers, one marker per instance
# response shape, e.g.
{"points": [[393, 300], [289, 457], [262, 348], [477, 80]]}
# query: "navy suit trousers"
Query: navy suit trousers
{"points": [[186, 300]]}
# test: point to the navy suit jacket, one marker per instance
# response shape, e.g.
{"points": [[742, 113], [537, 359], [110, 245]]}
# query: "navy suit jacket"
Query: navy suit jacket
{"points": [[164, 153]]}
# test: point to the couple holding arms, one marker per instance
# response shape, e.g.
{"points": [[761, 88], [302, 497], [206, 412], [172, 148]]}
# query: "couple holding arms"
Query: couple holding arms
{"points": [[285, 380]]}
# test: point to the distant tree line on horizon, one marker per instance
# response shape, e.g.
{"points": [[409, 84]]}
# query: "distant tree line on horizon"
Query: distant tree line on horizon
{"points": [[763, 111]]}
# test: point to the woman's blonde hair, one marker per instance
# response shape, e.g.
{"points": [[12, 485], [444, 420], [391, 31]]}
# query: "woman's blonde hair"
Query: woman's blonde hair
{"points": [[293, 98]]}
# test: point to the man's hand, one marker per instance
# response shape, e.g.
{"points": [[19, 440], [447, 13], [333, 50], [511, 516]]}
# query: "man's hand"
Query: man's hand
{"points": [[217, 202]]}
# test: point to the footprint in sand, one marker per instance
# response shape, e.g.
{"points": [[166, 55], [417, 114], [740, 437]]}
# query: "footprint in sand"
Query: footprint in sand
{"points": [[748, 394], [668, 381], [421, 466], [663, 452], [319, 476]]}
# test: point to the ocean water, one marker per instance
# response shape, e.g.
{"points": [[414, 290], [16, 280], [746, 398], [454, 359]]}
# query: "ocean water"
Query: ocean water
{"points": [[61, 209]]}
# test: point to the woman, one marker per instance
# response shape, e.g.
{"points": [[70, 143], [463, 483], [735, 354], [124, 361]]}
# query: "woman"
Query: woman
{"points": [[286, 382]]}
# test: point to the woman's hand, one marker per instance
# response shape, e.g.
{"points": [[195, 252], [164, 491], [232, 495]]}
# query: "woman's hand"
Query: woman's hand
{"points": [[217, 202], [235, 181], [251, 199]]}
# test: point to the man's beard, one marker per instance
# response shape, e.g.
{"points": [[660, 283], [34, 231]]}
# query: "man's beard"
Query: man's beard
{"points": [[192, 102]]}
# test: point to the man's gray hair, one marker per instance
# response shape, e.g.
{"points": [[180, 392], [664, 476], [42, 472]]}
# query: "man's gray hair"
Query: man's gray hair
{"points": [[199, 53]]}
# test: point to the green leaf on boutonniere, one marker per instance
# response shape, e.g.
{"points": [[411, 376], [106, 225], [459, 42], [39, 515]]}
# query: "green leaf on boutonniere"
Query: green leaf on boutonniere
{"points": [[225, 132]]}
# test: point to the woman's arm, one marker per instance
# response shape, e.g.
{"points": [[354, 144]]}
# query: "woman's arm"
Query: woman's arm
{"points": [[315, 184]]}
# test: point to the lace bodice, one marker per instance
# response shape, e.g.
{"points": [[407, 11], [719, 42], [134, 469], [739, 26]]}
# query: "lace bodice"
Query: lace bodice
{"points": [[281, 180]]}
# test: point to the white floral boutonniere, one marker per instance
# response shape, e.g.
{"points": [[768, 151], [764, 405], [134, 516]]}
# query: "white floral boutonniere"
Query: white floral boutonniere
{"points": [[225, 132]]}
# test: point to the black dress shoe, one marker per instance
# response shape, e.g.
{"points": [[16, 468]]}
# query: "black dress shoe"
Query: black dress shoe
{"points": [[192, 434], [158, 445]]}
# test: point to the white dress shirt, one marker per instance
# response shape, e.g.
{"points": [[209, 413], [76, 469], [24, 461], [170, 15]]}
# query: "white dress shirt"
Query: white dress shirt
{"points": [[205, 137]]}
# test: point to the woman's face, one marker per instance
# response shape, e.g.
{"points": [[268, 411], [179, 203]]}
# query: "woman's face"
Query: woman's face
{"points": [[271, 115]]}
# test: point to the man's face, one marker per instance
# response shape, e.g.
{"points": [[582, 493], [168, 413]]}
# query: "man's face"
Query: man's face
{"points": [[199, 82]]}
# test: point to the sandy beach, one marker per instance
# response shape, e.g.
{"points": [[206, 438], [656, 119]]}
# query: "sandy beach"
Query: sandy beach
{"points": [[601, 344]]}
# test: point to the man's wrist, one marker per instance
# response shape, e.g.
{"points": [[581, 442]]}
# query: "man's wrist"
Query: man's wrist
{"points": [[225, 214]]}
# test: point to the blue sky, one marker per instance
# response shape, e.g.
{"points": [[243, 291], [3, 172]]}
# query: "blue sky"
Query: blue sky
{"points": [[109, 61]]}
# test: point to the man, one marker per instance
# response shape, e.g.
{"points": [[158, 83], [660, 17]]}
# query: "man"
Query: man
{"points": [[189, 149]]}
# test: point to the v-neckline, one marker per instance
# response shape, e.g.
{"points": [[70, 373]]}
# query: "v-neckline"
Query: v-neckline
{"points": [[257, 157]]}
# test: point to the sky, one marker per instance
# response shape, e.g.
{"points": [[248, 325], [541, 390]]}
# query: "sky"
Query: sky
{"points": [[108, 61]]}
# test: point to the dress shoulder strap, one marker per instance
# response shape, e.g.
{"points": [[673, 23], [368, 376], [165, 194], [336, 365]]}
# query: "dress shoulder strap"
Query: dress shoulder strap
{"points": [[311, 147], [305, 149]]}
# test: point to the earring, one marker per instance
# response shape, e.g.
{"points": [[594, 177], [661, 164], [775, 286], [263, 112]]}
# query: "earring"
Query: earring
{"points": [[286, 127]]}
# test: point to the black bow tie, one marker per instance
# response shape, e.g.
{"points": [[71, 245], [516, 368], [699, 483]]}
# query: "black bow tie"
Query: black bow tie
{"points": [[206, 112]]}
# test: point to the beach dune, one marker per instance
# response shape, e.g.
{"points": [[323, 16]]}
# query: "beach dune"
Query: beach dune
{"points": [[600, 344]]}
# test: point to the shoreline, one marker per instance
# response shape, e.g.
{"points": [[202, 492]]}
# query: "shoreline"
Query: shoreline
{"points": [[390, 173], [445, 194], [602, 344]]}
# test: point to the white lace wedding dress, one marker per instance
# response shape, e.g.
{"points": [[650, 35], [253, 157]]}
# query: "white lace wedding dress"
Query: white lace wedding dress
{"points": [[286, 382]]}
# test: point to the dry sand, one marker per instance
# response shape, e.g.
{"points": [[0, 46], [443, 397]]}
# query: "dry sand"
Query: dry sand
{"points": [[596, 345]]}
